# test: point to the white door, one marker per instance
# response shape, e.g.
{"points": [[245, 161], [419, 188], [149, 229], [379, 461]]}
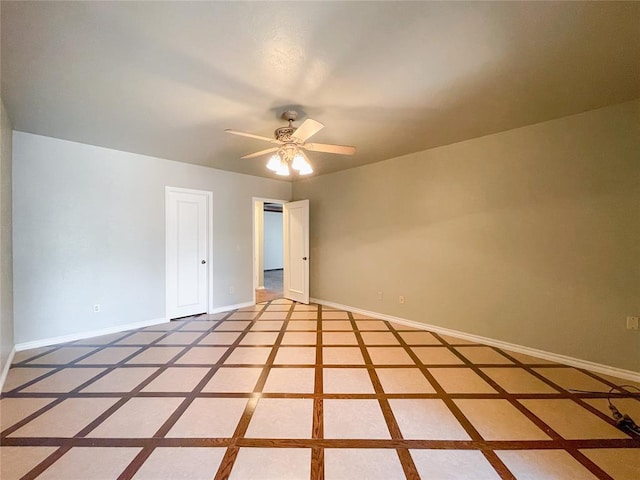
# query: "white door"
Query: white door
{"points": [[296, 250], [187, 217]]}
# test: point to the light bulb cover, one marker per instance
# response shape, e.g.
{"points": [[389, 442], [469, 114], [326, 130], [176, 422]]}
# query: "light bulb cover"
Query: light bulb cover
{"points": [[299, 162], [283, 169], [306, 170], [274, 162]]}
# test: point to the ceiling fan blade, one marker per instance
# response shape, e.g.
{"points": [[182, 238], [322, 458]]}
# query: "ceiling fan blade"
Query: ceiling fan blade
{"points": [[251, 135], [323, 147], [262, 152], [308, 128]]}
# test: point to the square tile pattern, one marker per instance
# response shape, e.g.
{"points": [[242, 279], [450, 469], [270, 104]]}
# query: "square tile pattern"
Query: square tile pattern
{"points": [[284, 390]]}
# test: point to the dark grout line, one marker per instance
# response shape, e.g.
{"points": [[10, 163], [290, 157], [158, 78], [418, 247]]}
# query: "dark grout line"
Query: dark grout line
{"points": [[513, 400], [317, 432], [577, 397], [320, 396], [480, 445], [46, 463], [507, 396], [101, 418], [226, 465], [408, 466], [497, 464], [139, 460], [317, 443], [588, 464]]}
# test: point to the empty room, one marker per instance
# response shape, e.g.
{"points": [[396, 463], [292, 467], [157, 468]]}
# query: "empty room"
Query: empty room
{"points": [[319, 240]]}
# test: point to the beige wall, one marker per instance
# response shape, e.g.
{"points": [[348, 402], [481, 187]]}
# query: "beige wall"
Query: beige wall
{"points": [[530, 236], [89, 228], [6, 250]]}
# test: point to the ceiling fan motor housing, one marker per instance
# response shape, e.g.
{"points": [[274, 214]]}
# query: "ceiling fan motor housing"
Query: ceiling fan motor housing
{"points": [[284, 133]]}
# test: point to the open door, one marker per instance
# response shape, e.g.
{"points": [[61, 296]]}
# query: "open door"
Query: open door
{"points": [[296, 251]]}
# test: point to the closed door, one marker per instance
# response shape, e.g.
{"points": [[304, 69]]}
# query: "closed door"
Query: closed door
{"points": [[296, 250], [187, 243]]}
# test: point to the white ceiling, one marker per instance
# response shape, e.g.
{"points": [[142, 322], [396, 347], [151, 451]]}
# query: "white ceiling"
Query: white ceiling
{"points": [[166, 79]]}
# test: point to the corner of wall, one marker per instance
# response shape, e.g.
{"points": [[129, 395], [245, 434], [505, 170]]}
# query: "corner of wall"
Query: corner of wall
{"points": [[6, 244]]}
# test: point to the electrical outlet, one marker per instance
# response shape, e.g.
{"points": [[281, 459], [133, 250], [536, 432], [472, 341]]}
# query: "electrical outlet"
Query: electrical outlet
{"points": [[96, 308], [401, 299], [380, 295], [632, 323]]}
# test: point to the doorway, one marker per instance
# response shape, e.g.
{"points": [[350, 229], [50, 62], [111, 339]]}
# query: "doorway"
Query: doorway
{"points": [[269, 247], [294, 247]]}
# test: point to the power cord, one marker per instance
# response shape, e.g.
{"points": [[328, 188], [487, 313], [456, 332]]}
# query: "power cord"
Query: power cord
{"points": [[623, 421]]}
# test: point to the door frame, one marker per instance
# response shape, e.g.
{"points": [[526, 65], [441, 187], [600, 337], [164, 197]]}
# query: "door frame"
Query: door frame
{"points": [[209, 195], [255, 238]]}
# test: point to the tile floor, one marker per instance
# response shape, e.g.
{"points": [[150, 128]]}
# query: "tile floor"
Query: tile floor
{"points": [[284, 390], [273, 281]]}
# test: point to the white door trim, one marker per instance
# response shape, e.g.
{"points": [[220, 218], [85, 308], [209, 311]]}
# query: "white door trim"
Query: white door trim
{"points": [[209, 195], [255, 237]]}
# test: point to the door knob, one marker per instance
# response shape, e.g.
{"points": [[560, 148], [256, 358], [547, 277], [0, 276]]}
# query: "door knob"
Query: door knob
{"points": [[203, 262], [304, 258]]}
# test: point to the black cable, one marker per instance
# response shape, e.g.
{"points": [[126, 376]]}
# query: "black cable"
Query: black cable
{"points": [[623, 421], [622, 393]]}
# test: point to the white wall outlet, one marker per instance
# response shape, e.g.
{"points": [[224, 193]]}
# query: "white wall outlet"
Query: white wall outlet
{"points": [[232, 289], [401, 299], [96, 308], [380, 295], [632, 323]]}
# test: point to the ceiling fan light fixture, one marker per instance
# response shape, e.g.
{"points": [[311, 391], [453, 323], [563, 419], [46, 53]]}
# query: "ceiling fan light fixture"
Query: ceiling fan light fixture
{"points": [[283, 170], [291, 142], [306, 170], [274, 162], [299, 162]]}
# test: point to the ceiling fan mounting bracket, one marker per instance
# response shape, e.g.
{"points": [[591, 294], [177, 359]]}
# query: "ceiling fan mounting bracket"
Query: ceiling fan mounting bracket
{"points": [[289, 115]]}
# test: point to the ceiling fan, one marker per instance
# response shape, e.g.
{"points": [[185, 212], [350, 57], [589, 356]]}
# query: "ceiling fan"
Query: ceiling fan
{"points": [[291, 142]]}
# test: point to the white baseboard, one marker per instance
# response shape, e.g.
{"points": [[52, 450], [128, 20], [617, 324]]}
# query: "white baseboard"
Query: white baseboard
{"points": [[6, 367], [554, 357], [45, 342], [226, 308]]}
